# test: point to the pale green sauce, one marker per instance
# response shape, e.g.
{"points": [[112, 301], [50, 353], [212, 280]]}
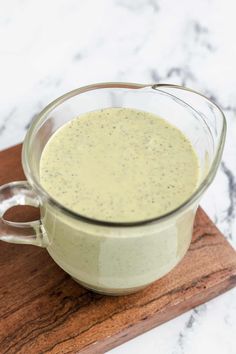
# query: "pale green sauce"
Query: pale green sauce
{"points": [[120, 165]]}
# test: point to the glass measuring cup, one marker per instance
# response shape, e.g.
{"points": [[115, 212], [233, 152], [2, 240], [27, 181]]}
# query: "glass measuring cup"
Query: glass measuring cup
{"points": [[107, 257]]}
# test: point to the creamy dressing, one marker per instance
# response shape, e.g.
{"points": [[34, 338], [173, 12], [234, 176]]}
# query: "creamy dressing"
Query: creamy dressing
{"points": [[120, 165]]}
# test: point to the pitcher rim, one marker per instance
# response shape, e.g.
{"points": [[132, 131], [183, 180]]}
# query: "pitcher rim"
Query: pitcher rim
{"points": [[36, 185]]}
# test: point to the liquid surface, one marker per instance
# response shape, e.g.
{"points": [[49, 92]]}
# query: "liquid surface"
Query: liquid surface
{"points": [[119, 165]]}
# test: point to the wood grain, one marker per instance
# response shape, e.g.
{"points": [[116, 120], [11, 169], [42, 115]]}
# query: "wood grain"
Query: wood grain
{"points": [[42, 310]]}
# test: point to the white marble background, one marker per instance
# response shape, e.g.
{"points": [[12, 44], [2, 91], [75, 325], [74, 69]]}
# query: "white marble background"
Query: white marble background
{"points": [[50, 47]]}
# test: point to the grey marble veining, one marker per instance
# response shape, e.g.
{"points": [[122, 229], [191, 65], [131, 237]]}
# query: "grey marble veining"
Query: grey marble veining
{"points": [[51, 47]]}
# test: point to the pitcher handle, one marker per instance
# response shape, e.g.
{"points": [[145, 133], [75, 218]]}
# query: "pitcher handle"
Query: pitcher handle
{"points": [[31, 232]]}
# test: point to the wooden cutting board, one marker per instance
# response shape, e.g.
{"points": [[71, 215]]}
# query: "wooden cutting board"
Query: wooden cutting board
{"points": [[42, 310]]}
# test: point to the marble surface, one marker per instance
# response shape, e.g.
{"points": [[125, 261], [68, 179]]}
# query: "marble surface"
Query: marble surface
{"points": [[50, 47]]}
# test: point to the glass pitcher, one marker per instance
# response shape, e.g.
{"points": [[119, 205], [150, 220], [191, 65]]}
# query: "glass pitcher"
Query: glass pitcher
{"points": [[107, 257]]}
